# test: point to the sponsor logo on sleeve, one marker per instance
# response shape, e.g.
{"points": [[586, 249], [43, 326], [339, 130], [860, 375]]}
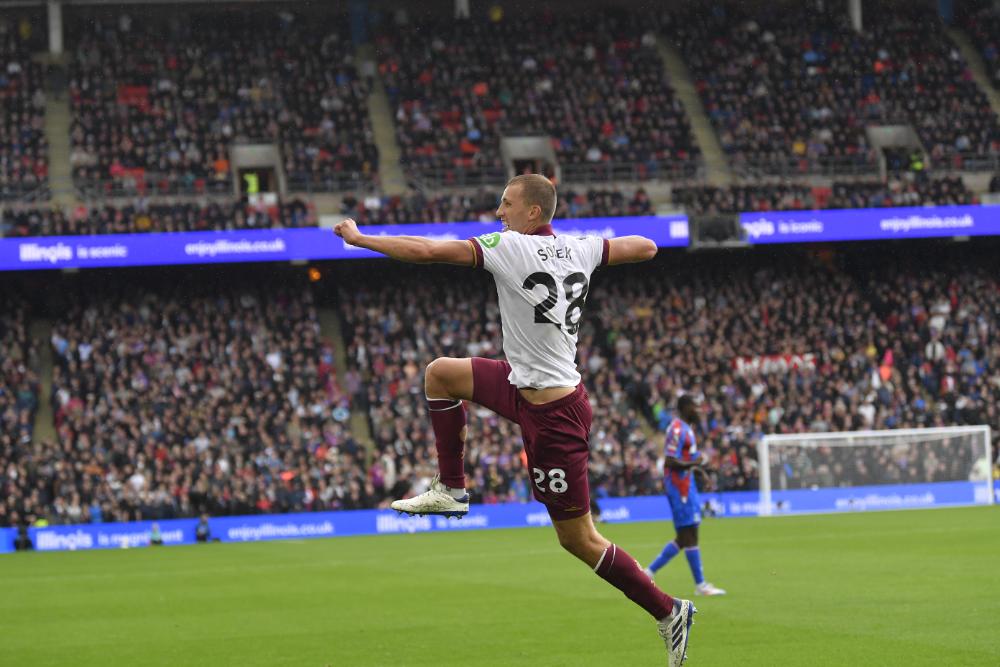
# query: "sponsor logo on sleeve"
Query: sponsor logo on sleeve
{"points": [[490, 240]]}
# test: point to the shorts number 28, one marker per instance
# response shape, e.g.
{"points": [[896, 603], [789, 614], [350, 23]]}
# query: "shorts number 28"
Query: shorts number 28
{"points": [[557, 480]]}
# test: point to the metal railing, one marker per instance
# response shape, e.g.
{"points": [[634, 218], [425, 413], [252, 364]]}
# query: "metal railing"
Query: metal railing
{"points": [[148, 185], [787, 166], [430, 178], [327, 183], [25, 192], [607, 172], [160, 185], [967, 162], [791, 167], [6, 227]]}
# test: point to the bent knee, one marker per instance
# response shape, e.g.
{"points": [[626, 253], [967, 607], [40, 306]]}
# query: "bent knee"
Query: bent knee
{"points": [[572, 544], [580, 545], [437, 372], [448, 377]]}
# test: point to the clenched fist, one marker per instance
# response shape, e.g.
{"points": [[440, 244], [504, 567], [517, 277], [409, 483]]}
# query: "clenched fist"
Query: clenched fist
{"points": [[347, 229]]}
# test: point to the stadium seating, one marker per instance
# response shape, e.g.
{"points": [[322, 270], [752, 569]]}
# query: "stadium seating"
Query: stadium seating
{"points": [[482, 205], [156, 102], [897, 191], [591, 83], [415, 207], [648, 337], [734, 199], [942, 191], [171, 400], [791, 90], [24, 151], [227, 400], [144, 216], [206, 399], [19, 395], [984, 26], [901, 344], [159, 102]]}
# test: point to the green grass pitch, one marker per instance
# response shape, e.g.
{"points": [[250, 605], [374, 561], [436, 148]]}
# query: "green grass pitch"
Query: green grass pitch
{"points": [[897, 588]]}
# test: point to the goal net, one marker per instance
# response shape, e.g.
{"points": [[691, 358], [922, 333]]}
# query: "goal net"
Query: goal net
{"points": [[875, 470]]}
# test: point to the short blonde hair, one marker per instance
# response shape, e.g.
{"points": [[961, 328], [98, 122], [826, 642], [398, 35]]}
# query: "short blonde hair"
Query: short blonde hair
{"points": [[537, 189]]}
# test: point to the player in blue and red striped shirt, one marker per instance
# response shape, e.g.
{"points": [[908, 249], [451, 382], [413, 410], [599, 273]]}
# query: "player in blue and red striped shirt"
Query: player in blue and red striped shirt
{"points": [[682, 460]]}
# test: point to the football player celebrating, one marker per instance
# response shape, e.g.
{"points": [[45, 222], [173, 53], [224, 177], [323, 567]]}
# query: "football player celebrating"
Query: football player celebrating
{"points": [[542, 282]]}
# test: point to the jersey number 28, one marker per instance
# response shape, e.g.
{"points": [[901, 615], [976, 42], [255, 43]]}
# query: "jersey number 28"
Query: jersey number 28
{"points": [[575, 287]]}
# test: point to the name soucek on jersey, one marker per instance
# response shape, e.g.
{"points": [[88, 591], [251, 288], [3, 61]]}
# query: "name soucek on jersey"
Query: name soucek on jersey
{"points": [[681, 445], [542, 283]]}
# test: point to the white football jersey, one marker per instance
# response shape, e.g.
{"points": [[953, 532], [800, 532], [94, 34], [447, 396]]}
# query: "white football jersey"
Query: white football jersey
{"points": [[542, 283]]}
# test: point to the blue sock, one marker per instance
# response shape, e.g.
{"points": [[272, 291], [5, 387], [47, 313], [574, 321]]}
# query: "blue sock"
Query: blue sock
{"points": [[668, 552], [694, 560]]}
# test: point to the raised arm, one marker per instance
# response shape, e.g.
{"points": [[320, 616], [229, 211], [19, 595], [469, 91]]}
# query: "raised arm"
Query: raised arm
{"points": [[630, 249], [414, 249]]}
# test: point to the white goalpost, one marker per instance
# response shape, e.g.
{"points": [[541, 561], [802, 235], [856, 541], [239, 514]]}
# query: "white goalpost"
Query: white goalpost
{"points": [[875, 470]]}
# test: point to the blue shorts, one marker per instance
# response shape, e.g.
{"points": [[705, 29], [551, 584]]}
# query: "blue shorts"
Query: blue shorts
{"points": [[686, 511]]}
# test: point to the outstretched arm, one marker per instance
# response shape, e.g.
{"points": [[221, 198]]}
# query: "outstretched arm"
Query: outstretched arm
{"points": [[630, 249], [414, 249]]}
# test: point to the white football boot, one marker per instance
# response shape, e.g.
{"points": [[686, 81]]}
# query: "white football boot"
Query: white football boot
{"points": [[674, 631], [649, 573], [705, 588], [435, 500]]}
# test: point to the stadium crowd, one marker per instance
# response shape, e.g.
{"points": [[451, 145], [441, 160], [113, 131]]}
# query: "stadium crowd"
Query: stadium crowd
{"points": [[850, 347], [162, 99], [591, 83], [157, 101], [481, 206], [897, 191], [791, 88], [870, 350], [19, 399], [176, 401], [24, 150], [173, 403], [167, 215], [984, 26], [144, 215]]}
